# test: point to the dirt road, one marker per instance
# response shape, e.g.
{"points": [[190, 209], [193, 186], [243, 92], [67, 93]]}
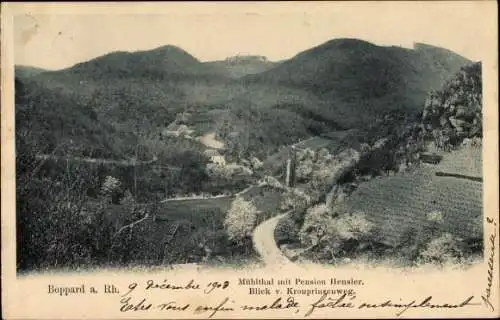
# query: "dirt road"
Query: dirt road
{"points": [[265, 244]]}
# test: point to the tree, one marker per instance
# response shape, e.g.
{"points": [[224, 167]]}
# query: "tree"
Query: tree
{"points": [[335, 234], [272, 182], [240, 220], [111, 189], [295, 198], [317, 225], [304, 170], [324, 178]]}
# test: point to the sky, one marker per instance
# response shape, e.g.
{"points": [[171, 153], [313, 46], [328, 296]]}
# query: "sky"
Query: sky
{"points": [[59, 36]]}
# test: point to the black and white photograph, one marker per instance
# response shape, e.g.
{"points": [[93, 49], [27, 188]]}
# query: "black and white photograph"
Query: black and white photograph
{"points": [[136, 148], [262, 160]]}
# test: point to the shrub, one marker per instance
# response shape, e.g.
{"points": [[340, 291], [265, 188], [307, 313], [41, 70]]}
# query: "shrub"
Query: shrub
{"points": [[324, 178], [128, 198], [435, 216], [354, 226], [442, 250]]}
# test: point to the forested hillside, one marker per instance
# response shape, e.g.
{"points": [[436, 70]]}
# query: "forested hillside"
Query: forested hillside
{"points": [[360, 80], [342, 84], [394, 207]]}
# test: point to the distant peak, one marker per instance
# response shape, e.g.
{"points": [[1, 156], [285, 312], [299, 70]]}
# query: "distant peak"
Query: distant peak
{"points": [[169, 47], [172, 51], [348, 42], [339, 44]]}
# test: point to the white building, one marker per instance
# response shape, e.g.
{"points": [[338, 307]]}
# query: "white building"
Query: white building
{"points": [[215, 157]]}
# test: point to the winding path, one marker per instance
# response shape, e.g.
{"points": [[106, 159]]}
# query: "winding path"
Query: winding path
{"points": [[96, 160], [222, 196], [265, 244]]}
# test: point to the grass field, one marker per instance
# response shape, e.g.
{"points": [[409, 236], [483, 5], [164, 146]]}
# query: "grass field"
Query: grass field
{"points": [[330, 140], [400, 202], [466, 161], [339, 134], [315, 143]]}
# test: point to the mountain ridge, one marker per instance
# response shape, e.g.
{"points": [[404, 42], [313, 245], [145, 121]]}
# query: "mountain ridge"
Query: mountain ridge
{"points": [[343, 83], [353, 73]]}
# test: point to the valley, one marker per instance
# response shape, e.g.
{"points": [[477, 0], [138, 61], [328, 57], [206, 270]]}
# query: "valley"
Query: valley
{"points": [[160, 158]]}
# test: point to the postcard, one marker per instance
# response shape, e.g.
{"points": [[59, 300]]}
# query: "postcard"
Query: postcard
{"points": [[261, 160]]}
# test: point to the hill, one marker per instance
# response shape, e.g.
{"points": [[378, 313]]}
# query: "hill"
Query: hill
{"points": [[415, 210], [166, 60], [144, 91], [134, 93], [239, 66], [51, 120], [360, 79], [165, 75], [342, 84], [27, 71]]}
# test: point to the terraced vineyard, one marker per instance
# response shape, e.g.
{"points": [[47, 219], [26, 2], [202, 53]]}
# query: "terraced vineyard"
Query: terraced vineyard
{"points": [[400, 202]]}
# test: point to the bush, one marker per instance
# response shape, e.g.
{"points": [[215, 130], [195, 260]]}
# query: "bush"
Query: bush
{"points": [[354, 226], [443, 250]]}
